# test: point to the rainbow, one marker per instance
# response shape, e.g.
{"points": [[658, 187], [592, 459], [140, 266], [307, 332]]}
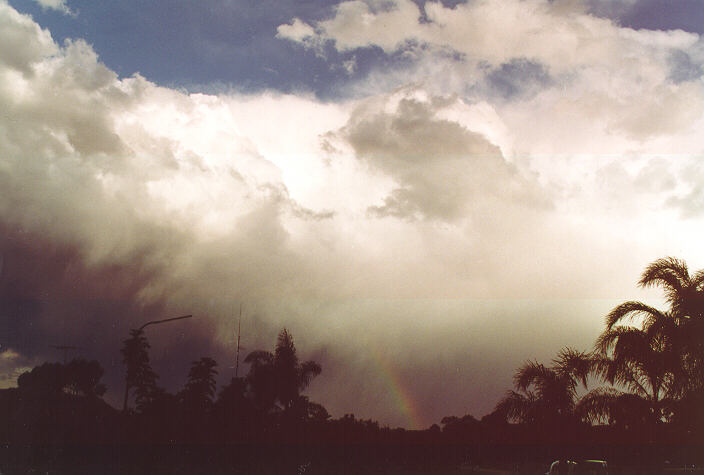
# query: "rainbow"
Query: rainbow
{"points": [[398, 391]]}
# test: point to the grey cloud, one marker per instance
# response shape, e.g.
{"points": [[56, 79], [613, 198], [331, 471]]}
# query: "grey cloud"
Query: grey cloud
{"points": [[683, 68], [444, 171], [280, 194], [686, 15], [519, 78]]}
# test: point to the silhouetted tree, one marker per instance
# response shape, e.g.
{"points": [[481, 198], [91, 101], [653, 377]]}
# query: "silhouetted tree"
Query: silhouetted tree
{"points": [[547, 395], [261, 380], [140, 376], [46, 380], [83, 378], [200, 388], [57, 403], [291, 377], [642, 364], [303, 409], [465, 429], [679, 332], [279, 377], [79, 377], [233, 410], [233, 394], [659, 362], [620, 409]]}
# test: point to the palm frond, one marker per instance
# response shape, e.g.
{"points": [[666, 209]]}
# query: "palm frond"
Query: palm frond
{"points": [[663, 325], [530, 373], [669, 273], [308, 371], [598, 405], [259, 357], [630, 310], [698, 280], [570, 363], [515, 406], [607, 340]]}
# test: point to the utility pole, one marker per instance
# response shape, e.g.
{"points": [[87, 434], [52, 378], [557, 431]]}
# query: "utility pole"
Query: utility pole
{"points": [[153, 322]]}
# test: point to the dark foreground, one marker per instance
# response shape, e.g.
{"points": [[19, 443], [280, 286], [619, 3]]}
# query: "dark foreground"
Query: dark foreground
{"points": [[333, 459]]}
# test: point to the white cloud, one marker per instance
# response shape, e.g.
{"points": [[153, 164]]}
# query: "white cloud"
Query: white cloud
{"points": [[620, 78], [496, 31], [296, 31], [300, 32], [58, 5], [26, 43]]}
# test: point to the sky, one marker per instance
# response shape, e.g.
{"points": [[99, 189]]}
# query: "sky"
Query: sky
{"points": [[426, 194]]}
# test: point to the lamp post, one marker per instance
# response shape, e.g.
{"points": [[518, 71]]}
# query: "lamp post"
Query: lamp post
{"points": [[139, 330]]}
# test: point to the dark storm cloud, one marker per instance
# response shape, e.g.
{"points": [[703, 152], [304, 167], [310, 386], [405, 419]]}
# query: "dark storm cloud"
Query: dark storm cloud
{"points": [[50, 297], [81, 265]]}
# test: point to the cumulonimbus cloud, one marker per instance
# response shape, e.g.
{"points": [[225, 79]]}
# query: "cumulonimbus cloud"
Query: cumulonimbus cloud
{"points": [[404, 218]]}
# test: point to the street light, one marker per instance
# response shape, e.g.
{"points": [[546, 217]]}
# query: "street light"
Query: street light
{"points": [[139, 330], [154, 322]]}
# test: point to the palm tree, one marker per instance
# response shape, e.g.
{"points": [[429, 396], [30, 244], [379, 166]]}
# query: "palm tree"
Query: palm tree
{"points": [[140, 376], [279, 376], [200, 388], [662, 362], [291, 377], [260, 380], [547, 395], [683, 292], [640, 362], [680, 329]]}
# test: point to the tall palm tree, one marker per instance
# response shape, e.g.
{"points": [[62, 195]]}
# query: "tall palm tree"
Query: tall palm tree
{"points": [[547, 395], [680, 329], [140, 376], [684, 292], [643, 364], [292, 377], [199, 391], [279, 376], [260, 380]]}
